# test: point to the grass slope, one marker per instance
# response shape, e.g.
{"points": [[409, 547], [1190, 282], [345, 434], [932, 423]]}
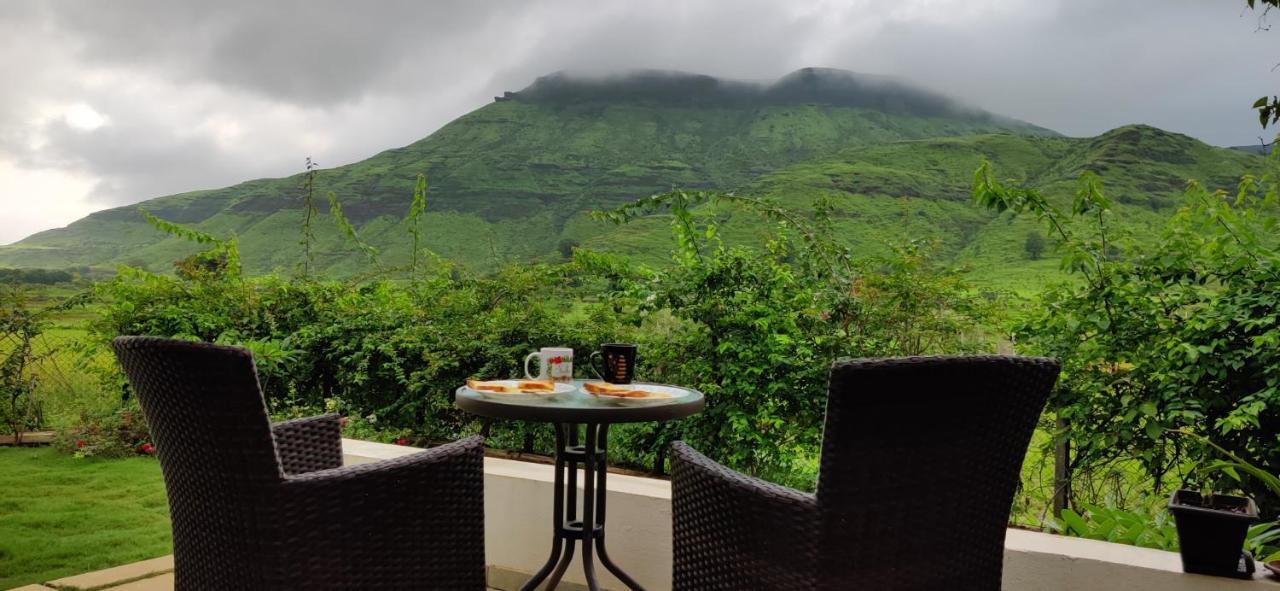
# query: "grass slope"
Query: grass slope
{"points": [[60, 516], [919, 190]]}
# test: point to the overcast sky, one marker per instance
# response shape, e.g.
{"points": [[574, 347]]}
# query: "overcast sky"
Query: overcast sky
{"points": [[109, 103]]}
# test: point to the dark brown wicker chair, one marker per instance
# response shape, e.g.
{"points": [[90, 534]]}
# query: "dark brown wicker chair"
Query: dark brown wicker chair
{"points": [[262, 506], [920, 460]]}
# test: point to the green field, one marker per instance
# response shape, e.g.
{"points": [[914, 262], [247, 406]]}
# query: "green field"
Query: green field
{"points": [[62, 516]]}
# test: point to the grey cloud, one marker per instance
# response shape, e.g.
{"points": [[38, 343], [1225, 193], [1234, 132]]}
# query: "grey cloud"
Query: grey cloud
{"points": [[342, 80], [134, 160], [314, 52]]}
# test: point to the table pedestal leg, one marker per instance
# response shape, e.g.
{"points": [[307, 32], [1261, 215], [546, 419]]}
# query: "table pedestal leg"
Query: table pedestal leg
{"points": [[568, 529]]}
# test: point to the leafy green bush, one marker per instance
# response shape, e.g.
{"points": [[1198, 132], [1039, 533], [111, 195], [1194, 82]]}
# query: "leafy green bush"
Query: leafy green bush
{"points": [[1149, 529], [755, 330], [20, 326], [118, 434], [1182, 336]]}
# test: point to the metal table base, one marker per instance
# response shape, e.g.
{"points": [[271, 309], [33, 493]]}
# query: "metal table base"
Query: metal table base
{"points": [[568, 528]]}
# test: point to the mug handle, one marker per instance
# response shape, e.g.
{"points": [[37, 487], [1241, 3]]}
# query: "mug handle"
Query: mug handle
{"points": [[598, 368], [527, 375]]}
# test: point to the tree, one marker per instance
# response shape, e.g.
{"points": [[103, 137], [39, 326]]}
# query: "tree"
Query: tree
{"points": [[1034, 245], [1177, 337], [566, 247], [1268, 107]]}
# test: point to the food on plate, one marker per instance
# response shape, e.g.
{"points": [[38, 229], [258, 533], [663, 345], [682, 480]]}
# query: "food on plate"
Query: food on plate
{"points": [[513, 386], [479, 386], [536, 386], [619, 391]]}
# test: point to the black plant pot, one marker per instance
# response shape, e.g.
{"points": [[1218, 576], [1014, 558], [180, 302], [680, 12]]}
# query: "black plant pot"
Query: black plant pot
{"points": [[1212, 537]]}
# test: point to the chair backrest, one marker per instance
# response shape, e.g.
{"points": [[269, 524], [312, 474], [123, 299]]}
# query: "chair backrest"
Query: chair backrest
{"points": [[920, 460], [213, 437]]}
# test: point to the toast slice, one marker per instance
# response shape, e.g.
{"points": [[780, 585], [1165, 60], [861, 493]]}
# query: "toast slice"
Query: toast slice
{"points": [[536, 386], [480, 386], [620, 391]]}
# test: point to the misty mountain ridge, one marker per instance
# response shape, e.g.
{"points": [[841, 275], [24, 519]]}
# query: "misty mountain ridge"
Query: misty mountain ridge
{"points": [[813, 86], [515, 179]]}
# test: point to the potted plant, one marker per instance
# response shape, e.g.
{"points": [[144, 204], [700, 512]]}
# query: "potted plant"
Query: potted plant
{"points": [[1211, 532], [1212, 528]]}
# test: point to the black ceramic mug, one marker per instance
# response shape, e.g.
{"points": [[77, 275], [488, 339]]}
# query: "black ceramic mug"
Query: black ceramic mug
{"points": [[615, 362]]}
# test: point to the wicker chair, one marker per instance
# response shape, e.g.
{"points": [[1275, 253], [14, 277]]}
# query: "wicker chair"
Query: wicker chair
{"points": [[262, 506], [920, 460]]}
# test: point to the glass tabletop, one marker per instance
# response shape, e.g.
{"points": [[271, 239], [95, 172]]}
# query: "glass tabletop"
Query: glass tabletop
{"points": [[575, 405]]}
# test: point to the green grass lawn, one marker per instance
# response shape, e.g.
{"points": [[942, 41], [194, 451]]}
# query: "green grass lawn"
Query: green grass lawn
{"points": [[63, 516]]}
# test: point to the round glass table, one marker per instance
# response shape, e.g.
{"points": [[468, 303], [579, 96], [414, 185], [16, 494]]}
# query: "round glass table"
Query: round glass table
{"points": [[568, 413]]}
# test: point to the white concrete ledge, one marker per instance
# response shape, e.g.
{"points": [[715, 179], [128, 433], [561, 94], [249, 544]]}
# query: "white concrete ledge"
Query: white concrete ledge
{"points": [[517, 504], [1035, 561]]}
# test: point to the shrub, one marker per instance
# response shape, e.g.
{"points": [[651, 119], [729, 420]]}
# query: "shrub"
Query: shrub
{"points": [[1181, 336], [118, 434], [755, 329]]}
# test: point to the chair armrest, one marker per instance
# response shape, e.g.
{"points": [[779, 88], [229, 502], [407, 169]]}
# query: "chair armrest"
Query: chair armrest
{"points": [[416, 520], [309, 444], [733, 531]]}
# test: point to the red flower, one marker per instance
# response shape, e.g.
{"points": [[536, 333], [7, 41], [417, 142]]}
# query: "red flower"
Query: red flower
{"points": [[147, 448], [79, 444], [402, 441], [342, 422], [555, 360]]}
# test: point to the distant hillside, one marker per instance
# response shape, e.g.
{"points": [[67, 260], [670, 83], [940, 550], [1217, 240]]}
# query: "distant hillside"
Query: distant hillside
{"points": [[1259, 149], [509, 178], [919, 190]]}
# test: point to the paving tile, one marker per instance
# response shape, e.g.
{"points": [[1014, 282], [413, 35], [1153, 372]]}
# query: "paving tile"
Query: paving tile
{"points": [[32, 588], [116, 575], [160, 583]]}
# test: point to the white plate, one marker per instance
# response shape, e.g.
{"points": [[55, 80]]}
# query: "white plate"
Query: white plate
{"points": [[659, 393], [561, 389]]}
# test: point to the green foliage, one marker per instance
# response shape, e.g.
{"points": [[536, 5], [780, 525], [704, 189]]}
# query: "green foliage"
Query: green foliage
{"points": [[119, 434], [1034, 245], [1264, 538], [308, 213], [1149, 529], [1176, 337], [755, 331], [566, 248], [349, 230], [35, 276], [416, 207], [1268, 108], [20, 326], [178, 230], [24, 353]]}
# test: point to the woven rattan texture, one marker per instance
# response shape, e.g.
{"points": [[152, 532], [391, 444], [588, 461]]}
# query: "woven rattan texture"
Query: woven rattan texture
{"points": [[920, 460], [309, 444], [255, 510]]}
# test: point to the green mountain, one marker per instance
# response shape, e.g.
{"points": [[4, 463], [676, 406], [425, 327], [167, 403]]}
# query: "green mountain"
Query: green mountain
{"points": [[514, 179], [511, 179]]}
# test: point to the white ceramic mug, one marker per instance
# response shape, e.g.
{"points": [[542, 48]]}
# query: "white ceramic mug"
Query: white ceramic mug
{"points": [[554, 363]]}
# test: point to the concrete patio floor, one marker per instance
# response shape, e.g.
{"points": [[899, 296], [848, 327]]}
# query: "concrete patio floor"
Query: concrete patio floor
{"points": [[149, 575]]}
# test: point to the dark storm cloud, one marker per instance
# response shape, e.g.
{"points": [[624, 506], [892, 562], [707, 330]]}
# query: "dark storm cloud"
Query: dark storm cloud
{"points": [[201, 94], [301, 51]]}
